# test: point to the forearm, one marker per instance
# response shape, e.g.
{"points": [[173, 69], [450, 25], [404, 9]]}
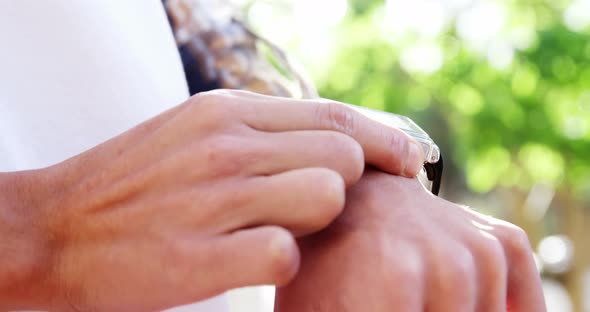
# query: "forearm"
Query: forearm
{"points": [[24, 258]]}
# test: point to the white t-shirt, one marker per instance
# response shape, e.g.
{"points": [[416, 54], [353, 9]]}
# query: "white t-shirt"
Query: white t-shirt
{"points": [[76, 73]]}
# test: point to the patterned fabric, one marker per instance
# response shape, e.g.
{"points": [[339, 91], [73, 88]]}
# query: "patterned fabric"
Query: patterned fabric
{"points": [[220, 51]]}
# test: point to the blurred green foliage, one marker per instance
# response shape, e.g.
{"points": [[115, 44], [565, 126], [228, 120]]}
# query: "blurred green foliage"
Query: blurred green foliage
{"points": [[517, 126]]}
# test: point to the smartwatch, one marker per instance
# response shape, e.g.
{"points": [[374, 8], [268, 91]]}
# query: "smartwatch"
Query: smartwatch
{"points": [[433, 162]]}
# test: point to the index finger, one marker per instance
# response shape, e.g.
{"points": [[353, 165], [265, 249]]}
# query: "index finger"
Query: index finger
{"points": [[386, 147]]}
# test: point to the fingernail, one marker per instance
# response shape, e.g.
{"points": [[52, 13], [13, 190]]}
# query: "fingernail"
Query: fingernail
{"points": [[416, 159]]}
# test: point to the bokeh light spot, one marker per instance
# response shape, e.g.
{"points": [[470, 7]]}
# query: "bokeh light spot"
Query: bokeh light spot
{"points": [[466, 99], [542, 163], [577, 16], [556, 252], [524, 80], [485, 169]]}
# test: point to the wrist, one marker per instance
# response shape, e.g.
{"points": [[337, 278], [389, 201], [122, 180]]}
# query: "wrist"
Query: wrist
{"points": [[25, 259]]}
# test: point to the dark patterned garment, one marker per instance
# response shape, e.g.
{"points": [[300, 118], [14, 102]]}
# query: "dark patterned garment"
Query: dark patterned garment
{"points": [[220, 51]]}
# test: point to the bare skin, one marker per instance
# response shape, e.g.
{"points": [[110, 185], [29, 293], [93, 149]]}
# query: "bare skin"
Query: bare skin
{"points": [[396, 247], [203, 198]]}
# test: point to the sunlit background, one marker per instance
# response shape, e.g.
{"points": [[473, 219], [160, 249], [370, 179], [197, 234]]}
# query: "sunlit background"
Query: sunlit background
{"points": [[503, 87]]}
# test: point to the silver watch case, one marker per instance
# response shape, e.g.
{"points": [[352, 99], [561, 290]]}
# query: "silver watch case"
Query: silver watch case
{"points": [[431, 150]]}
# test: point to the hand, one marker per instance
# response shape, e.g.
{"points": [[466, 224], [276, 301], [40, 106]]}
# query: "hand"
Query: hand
{"points": [[398, 248], [193, 202]]}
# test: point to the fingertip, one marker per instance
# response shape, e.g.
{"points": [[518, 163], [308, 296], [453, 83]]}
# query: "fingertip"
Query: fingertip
{"points": [[283, 255], [356, 166], [324, 194], [332, 187], [415, 159], [335, 186], [263, 255]]}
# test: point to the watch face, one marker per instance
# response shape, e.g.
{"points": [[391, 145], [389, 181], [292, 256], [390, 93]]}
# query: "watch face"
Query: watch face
{"points": [[398, 121], [431, 150]]}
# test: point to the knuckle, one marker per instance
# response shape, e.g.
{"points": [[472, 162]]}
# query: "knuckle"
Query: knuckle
{"points": [[221, 153], [211, 106], [517, 242], [282, 256], [457, 268], [336, 116], [409, 270], [205, 98], [179, 257]]}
